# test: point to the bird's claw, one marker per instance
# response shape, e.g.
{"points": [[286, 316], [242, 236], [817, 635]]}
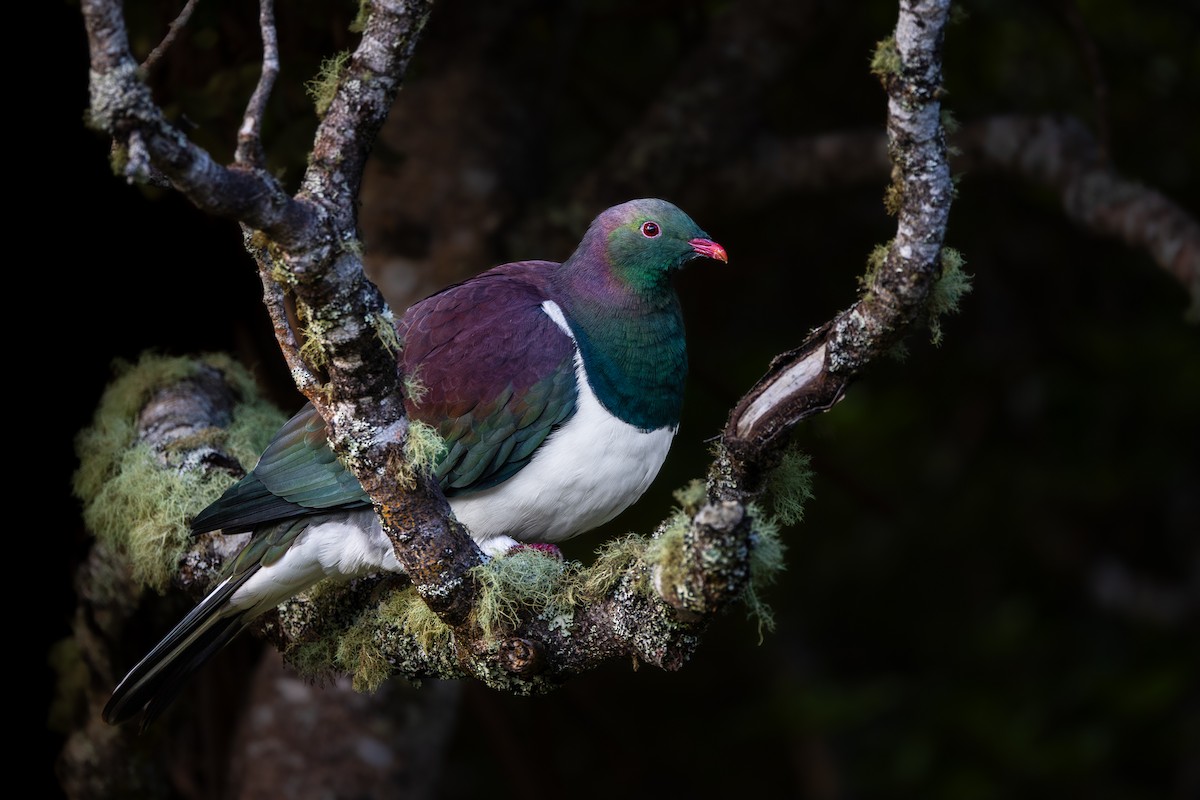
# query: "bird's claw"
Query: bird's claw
{"points": [[545, 548]]}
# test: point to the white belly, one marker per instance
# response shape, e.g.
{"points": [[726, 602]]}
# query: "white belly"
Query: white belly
{"points": [[583, 475]]}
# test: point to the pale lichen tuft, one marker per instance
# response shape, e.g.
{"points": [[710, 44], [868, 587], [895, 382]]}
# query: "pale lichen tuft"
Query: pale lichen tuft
{"points": [[766, 562], [409, 613], [414, 387], [384, 325], [519, 583], [423, 449], [885, 61], [613, 559], [324, 86], [790, 486], [140, 502], [313, 348], [360, 654], [953, 284]]}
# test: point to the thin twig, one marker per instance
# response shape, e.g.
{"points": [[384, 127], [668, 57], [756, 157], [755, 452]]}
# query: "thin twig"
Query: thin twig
{"points": [[249, 147], [275, 301], [169, 39]]}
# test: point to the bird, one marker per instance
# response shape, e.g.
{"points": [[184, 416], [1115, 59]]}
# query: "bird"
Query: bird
{"points": [[556, 387]]}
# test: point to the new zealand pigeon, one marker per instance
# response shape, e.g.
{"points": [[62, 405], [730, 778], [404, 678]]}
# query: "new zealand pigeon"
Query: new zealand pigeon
{"points": [[556, 387]]}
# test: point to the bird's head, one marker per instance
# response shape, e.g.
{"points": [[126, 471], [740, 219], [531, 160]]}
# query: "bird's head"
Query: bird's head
{"points": [[643, 241]]}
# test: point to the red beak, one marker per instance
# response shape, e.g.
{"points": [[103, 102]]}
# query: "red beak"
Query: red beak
{"points": [[709, 249]]}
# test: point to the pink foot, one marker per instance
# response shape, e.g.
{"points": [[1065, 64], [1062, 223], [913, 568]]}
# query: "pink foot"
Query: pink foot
{"points": [[545, 548]]}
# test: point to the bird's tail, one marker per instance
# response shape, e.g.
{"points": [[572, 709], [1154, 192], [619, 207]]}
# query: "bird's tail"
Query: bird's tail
{"points": [[157, 679]]}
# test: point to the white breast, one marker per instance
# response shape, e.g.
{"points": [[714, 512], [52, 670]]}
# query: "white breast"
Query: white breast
{"points": [[584, 474]]}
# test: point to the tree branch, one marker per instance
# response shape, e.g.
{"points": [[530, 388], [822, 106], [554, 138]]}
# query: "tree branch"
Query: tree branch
{"points": [[1060, 153], [645, 598], [250, 151], [121, 105], [813, 377], [1056, 152], [172, 31]]}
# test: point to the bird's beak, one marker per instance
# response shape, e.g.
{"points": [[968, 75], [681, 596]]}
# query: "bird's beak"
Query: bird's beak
{"points": [[709, 249]]}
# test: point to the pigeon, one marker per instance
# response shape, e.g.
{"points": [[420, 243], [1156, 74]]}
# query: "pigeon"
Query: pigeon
{"points": [[556, 389]]}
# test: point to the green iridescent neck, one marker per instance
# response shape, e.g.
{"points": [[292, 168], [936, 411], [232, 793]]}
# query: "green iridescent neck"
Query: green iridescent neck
{"points": [[635, 357]]}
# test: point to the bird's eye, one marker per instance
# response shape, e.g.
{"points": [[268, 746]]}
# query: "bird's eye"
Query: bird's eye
{"points": [[650, 229]]}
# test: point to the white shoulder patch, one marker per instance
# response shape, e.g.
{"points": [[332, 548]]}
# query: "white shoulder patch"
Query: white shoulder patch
{"points": [[555, 313]]}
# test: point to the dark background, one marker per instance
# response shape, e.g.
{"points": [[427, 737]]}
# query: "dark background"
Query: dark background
{"points": [[994, 591]]}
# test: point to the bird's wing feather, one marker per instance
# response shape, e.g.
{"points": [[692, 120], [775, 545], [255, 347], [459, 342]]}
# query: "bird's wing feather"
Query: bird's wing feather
{"points": [[498, 373], [297, 474], [499, 376]]}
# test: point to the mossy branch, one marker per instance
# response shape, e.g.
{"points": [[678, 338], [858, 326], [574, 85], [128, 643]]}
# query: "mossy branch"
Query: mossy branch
{"points": [[537, 619]]}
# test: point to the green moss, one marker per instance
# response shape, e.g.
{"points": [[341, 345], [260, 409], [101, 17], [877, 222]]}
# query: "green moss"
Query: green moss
{"points": [[423, 449], [947, 291], [691, 497], [281, 274], [613, 559], [323, 87], [313, 349], [950, 122], [408, 612], [789, 486], [766, 558], [875, 262], [118, 159], [893, 196], [359, 653], [254, 425], [316, 660], [359, 23], [385, 328], [885, 61], [766, 562], [113, 426], [664, 552], [144, 510], [359, 649], [132, 500], [519, 583], [339, 608], [263, 248]]}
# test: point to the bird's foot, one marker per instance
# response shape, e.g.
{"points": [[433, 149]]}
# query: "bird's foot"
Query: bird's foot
{"points": [[545, 548]]}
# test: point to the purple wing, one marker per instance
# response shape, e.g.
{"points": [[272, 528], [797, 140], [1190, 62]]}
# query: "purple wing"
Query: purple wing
{"points": [[498, 373]]}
